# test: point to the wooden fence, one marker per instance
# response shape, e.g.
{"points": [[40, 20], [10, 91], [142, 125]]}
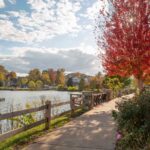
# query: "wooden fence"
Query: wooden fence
{"points": [[86, 99], [47, 108], [76, 101]]}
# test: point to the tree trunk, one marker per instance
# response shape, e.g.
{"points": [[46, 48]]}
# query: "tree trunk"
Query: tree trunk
{"points": [[140, 84]]}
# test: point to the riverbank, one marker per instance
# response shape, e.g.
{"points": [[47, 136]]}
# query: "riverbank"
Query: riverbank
{"points": [[27, 89], [20, 140], [24, 89]]}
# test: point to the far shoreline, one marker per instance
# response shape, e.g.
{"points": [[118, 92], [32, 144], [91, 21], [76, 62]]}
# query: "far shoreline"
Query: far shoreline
{"points": [[25, 89]]}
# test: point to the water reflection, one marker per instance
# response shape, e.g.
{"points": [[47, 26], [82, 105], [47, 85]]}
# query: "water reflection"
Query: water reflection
{"points": [[18, 100]]}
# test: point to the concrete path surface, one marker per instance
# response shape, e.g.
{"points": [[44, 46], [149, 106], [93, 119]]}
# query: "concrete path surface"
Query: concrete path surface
{"points": [[94, 130]]}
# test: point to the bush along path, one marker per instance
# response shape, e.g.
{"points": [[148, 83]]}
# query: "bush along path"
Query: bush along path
{"points": [[133, 122], [94, 130]]}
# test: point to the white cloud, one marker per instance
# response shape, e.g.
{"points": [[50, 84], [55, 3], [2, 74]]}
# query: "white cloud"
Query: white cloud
{"points": [[2, 4], [88, 27], [93, 11], [71, 59], [21, 51], [46, 20], [21, 74]]}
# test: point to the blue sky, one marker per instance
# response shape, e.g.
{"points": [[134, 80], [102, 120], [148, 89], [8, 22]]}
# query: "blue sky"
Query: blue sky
{"points": [[49, 34]]}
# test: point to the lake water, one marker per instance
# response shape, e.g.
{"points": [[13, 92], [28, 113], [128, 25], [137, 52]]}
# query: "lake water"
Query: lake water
{"points": [[17, 100]]}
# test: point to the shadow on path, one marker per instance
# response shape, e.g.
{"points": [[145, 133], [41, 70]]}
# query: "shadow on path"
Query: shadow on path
{"points": [[94, 130]]}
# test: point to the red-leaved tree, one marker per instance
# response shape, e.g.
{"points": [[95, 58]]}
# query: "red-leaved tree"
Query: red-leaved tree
{"points": [[126, 39]]}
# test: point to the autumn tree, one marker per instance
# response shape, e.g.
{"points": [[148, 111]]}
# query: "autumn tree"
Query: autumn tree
{"points": [[60, 78], [45, 78], [12, 75], [126, 39], [96, 81], [52, 75], [3, 70], [34, 75], [2, 79], [93, 83], [99, 80], [3, 75]]}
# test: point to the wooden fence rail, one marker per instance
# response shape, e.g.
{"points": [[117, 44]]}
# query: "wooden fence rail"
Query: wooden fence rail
{"points": [[21, 112], [47, 107]]}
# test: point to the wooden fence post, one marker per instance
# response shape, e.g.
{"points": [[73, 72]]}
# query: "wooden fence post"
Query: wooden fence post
{"points": [[48, 115], [71, 105], [92, 101]]}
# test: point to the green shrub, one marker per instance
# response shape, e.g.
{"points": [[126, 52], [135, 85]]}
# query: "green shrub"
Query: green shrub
{"points": [[39, 84], [31, 85], [72, 88], [61, 87], [133, 120]]}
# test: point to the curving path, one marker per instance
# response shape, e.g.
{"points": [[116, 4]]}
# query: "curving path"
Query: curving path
{"points": [[94, 130]]}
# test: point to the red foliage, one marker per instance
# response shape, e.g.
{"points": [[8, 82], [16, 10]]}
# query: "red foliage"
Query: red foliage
{"points": [[127, 39], [52, 75]]}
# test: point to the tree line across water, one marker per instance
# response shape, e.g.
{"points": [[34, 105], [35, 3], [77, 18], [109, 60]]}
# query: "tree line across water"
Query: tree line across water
{"points": [[34, 80], [57, 79]]}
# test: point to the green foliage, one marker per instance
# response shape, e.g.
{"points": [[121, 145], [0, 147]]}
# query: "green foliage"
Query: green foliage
{"points": [[96, 82], [24, 81], [69, 82], [61, 87], [133, 119], [23, 120], [31, 85], [116, 83], [93, 83], [110, 81], [81, 84], [39, 84], [34, 75], [72, 88]]}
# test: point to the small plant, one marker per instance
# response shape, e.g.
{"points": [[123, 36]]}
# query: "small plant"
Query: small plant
{"points": [[23, 120]]}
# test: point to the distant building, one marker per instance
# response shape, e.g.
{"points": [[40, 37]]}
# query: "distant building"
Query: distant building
{"points": [[12, 83], [75, 78]]}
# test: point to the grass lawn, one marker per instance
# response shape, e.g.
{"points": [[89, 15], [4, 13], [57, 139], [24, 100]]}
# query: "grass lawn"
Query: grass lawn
{"points": [[24, 138]]}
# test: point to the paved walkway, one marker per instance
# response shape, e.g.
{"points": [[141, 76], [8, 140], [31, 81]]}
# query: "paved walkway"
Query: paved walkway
{"points": [[94, 130]]}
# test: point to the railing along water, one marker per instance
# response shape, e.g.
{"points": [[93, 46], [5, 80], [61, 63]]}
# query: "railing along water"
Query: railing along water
{"points": [[47, 108], [76, 101]]}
